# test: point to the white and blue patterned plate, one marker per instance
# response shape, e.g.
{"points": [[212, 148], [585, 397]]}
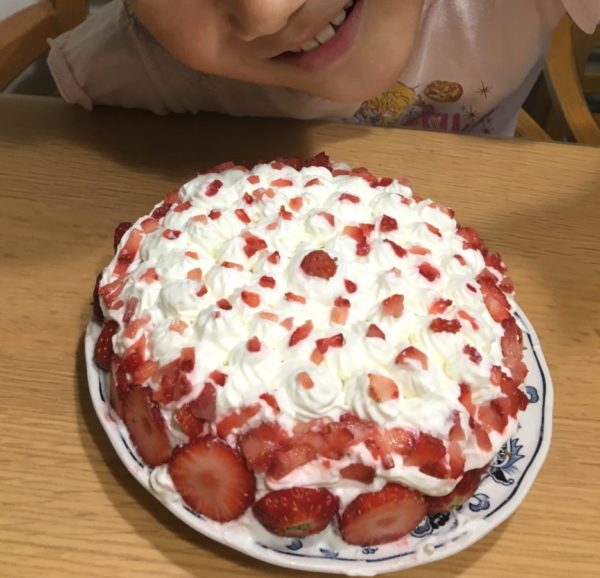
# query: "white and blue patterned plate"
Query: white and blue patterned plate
{"points": [[500, 493]]}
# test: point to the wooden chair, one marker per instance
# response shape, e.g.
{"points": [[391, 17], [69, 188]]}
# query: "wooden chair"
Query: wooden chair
{"points": [[568, 81], [23, 35]]}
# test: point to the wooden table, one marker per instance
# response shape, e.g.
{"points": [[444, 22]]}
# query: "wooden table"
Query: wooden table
{"points": [[67, 505]]}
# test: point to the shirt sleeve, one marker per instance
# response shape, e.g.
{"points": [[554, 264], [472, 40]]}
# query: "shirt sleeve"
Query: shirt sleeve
{"points": [[585, 13]]}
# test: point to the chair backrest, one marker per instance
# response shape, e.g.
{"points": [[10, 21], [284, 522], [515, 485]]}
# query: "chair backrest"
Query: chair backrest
{"points": [[24, 34], [566, 78]]}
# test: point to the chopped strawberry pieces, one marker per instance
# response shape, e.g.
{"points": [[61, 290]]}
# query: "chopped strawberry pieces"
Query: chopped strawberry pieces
{"points": [[393, 305], [253, 179], [188, 359], [287, 460], [350, 286], [212, 479], [111, 292], [128, 252], [248, 198], [494, 261], [471, 239], [144, 372], [387, 224], [250, 298], [350, 198], [274, 258], [319, 264], [161, 210], [120, 230], [399, 251], [512, 350], [358, 473], [224, 304], [218, 377], [506, 285], [439, 325], [213, 188], [382, 388], [460, 259], [328, 217], [375, 331], [288, 323], [242, 216], [313, 182], [134, 355], [150, 275], [253, 345], [282, 183], [270, 400], [190, 425], [419, 250], [103, 351], [301, 333], [467, 317], [269, 316], [119, 386], [439, 306], [171, 234], [457, 497], [149, 225], [489, 416], [296, 512], [194, 274], [428, 271], [231, 265], [267, 282], [96, 308], [411, 355], [289, 296], [236, 419], [179, 208], [494, 300], [358, 234], [296, 203], [146, 426], [215, 215], [382, 517], [259, 444], [305, 380], [339, 315], [324, 344], [427, 451], [433, 229], [284, 214], [466, 399], [472, 354], [481, 436]]}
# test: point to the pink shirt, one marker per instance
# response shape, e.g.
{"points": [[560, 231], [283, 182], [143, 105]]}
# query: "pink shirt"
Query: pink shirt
{"points": [[472, 66]]}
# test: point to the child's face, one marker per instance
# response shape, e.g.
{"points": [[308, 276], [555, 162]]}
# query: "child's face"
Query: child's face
{"points": [[256, 40]]}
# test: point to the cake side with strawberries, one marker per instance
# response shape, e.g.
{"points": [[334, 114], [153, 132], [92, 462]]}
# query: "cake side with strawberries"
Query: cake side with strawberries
{"points": [[312, 346]]}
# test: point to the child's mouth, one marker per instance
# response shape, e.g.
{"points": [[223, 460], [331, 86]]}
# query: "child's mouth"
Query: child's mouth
{"points": [[333, 41]]}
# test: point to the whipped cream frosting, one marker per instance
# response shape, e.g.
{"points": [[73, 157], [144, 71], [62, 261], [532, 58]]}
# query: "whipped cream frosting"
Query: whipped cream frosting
{"points": [[223, 266]]}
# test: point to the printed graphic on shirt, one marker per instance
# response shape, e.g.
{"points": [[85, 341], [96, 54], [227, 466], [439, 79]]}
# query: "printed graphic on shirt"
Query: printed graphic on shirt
{"points": [[441, 105]]}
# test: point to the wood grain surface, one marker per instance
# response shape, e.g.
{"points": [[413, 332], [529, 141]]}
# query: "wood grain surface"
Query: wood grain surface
{"points": [[67, 505]]}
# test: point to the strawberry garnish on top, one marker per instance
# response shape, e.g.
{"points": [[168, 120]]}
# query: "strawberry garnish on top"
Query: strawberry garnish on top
{"points": [[512, 350], [128, 252], [212, 479], [120, 230], [493, 298], [471, 239], [393, 305], [296, 512], [147, 427], [103, 350], [382, 388], [319, 264], [382, 517], [97, 309], [457, 497]]}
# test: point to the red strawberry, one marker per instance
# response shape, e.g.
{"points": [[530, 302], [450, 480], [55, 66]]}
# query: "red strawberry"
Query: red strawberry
{"points": [[382, 388], [439, 325], [103, 351], [134, 355], [97, 309], [428, 271], [350, 286], [301, 333], [457, 497], [253, 245], [205, 405], [494, 300], [259, 444], [251, 299], [287, 460], [466, 399], [472, 354], [190, 425], [270, 400], [337, 340], [471, 239], [375, 331], [296, 512], [381, 517], [253, 345], [120, 230], [119, 385], [146, 426], [289, 296], [266, 282], [212, 479], [213, 188], [359, 473], [427, 450], [489, 416], [439, 306], [400, 252], [128, 252], [388, 224], [410, 355], [218, 377], [350, 198], [494, 261], [512, 350], [305, 380], [236, 419], [393, 305], [319, 264]]}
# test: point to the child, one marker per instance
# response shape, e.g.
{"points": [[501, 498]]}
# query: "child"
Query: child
{"points": [[455, 65]]}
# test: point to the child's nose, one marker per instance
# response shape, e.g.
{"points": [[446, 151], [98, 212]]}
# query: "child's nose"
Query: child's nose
{"points": [[254, 18]]}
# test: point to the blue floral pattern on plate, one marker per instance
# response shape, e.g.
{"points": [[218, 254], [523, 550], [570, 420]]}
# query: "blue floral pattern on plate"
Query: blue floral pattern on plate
{"points": [[503, 487]]}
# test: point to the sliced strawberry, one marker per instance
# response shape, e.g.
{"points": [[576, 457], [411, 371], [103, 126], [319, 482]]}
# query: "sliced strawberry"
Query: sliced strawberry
{"points": [[205, 405], [218, 377], [134, 355], [400, 440], [111, 292], [358, 473], [147, 427], [400, 252], [494, 300], [327, 216], [494, 261], [144, 372], [339, 315], [375, 331], [512, 350], [336, 340], [128, 252], [287, 460], [212, 479], [471, 239], [466, 399], [103, 351], [305, 380], [296, 512], [457, 497], [506, 285], [387, 224], [250, 298], [213, 188], [301, 333], [120, 230], [289, 296], [410, 356], [270, 400], [427, 450], [382, 388], [97, 309], [119, 386], [260, 443], [350, 198], [393, 305], [466, 316], [267, 282], [319, 264], [433, 229], [190, 425], [253, 245], [439, 325], [428, 271], [236, 419], [382, 517], [481, 436], [489, 417]]}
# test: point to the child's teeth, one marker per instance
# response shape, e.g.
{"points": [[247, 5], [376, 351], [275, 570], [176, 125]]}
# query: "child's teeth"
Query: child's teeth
{"points": [[310, 45], [326, 34], [339, 18]]}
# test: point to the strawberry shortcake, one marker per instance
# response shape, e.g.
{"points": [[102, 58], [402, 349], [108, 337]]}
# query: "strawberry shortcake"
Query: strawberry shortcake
{"points": [[312, 347]]}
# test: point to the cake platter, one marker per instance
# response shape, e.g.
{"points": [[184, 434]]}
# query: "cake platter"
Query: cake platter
{"points": [[502, 490]]}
